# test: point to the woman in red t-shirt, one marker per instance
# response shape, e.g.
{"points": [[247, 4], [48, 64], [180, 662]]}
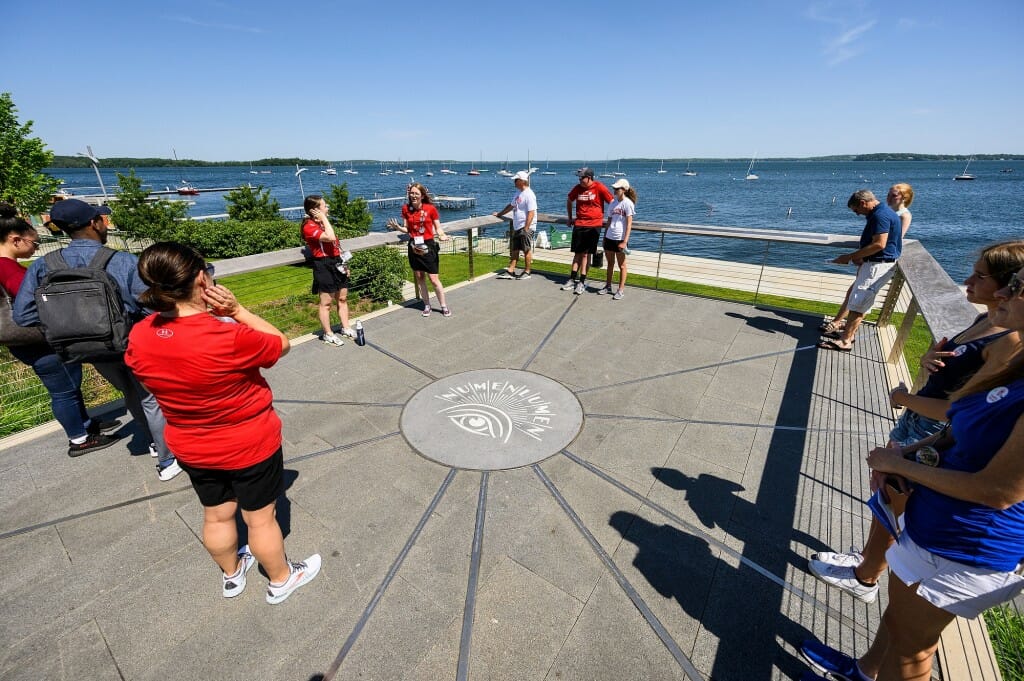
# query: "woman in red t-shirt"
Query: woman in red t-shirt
{"points": [[330, 273], [422, 223], [201, 358]]}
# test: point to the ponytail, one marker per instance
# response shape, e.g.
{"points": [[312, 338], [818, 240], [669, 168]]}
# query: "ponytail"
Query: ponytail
{"points": [[631, 195]]}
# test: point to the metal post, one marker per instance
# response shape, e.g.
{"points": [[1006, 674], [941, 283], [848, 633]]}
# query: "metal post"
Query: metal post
{"points": [[760, 275]]}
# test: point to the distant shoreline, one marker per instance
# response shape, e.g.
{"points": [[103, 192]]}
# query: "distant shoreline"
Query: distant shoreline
{"points": [[129, 162]]}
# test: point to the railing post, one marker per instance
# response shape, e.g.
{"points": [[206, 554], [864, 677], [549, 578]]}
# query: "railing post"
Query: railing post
{"points": [[892, 297], [760, 275], [904, 333], [657, 271], [469, 250]]}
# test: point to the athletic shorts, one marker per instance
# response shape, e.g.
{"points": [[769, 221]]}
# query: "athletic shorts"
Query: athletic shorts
{"points": [[520, 241], [912, 427], [584, 239], [327, 278], [612, 245], [871, 277], [253, 487], [964, 590]]}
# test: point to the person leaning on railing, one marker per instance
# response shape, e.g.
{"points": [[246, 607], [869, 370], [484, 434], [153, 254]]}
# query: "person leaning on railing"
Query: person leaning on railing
{"points": [[961, 549]]}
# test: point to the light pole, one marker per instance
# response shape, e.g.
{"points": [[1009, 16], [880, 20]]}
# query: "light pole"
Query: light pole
{"points": [[95, 166], [298, 174]]}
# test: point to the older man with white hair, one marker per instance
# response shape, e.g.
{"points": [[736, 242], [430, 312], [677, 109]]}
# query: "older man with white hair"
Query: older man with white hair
{"points": [[524, 222]]}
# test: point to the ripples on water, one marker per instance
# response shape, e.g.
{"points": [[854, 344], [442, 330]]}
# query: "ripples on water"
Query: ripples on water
{"points": [[952, 219]]}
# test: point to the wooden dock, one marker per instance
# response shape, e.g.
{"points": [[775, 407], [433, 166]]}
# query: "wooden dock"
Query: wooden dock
{"points": [[440, 201]]}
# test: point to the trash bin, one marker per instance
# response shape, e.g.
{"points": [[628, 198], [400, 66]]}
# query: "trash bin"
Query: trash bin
{"points": [[598, 259]]}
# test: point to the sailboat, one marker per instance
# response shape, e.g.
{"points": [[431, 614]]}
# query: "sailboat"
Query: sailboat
{"points": [[688, 172], [547, 169], [430, 173], [661, 170], [251, 171], [446, 170], [186, 188], [504, 171], [618, 173], [473, 169], [329, 170], [965, 175], [750, 170], [350, 170]]}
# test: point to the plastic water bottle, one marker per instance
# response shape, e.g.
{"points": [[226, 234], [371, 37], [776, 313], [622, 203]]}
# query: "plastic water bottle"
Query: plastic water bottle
{"points": [[360, 334]]}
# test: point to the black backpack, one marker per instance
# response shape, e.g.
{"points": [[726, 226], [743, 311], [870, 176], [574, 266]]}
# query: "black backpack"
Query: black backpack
{"points": [[81, 311]]}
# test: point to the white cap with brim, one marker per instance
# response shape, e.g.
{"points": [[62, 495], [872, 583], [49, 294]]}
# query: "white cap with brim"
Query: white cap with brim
{"points": [[521, 175], [621, 183]]}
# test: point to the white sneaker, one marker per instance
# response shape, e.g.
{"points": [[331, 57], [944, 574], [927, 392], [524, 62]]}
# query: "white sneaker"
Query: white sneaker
{"points": [[152, 450], [168, 472], [235, 584], [301, 573], [568, 286], [523, 275], [606, 290], [331, 339], [618, 295], [581, 288], [851, 559], [348, 332], [843, 577]]}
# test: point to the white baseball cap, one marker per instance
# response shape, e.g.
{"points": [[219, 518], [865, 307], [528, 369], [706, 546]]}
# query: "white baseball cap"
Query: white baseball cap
{"points": [[621, 183], [521, 175]]}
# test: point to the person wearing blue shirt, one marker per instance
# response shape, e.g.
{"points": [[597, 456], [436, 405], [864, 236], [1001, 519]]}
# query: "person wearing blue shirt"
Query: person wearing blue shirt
{"points": [[881, 244], [88, 231]]}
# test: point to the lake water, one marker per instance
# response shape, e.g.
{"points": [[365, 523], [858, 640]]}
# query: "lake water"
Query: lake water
{"points": [[952, 219]]}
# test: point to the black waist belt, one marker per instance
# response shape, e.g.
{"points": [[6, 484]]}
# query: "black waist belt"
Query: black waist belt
{"points": [[881, 259]]}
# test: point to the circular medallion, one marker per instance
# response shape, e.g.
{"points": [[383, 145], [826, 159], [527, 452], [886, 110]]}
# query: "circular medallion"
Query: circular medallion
{"points": [[491, 419]]}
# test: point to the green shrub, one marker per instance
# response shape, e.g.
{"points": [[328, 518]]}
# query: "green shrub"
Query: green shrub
{"points": [[378, 273], [134, 215], [235, 238], [252, 203]]}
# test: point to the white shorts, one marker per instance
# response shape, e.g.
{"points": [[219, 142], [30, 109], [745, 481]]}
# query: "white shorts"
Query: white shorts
{"points": [[963, 590], [871, 277]]}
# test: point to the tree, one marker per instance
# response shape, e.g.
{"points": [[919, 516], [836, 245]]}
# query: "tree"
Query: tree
{"points": [[22, 159], [133, 214], [350, 218], [248, 203]]}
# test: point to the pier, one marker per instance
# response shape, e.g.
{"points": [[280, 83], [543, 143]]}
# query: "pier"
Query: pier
{"points": [[439, 200]]}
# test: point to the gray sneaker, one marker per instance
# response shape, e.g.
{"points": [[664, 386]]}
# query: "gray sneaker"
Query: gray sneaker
{"points": [[843, 577], [505, 274], [618, 295], [523, 275], [301, 573], [569, 285], [605, 291], [581, 288], [235, 584]]}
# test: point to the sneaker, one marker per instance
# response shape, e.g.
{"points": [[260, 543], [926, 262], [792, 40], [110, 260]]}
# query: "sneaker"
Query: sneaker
{"points": [[605, 291], [348, 332], [568, 286], [331, 339], [169, 472], [426, 310], [302, 573], [93, 443], [152, 450], [96, 426], [505, 274], [446, 312], [842, 576], [618, 295], [835, 664], [523, 275], [581, 288], [235, 584], [851, 559]]}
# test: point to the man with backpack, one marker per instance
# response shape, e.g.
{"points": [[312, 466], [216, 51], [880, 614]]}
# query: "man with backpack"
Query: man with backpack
{"points": [[85, 299]]}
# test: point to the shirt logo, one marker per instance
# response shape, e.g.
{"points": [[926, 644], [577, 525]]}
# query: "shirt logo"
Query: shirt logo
{"points": [[996, 394], [495, 409], [960, 349], [164, 333]]}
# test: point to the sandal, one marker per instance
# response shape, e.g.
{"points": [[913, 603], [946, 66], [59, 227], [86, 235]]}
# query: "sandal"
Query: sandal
{"points": [[836, 345], [426, 310], [832, 326], [446, 312]]}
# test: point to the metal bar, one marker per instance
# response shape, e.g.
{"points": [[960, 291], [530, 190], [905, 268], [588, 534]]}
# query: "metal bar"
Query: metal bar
{"points": [[474, 577]]}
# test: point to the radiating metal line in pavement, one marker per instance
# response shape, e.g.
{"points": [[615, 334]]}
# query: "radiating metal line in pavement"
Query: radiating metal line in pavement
{"points": [[771, 576], [341, 448], [401, 361], [735, 424], [469, 610], [341, 403], [379, 593], [652, 619], [692, 369], [550, 333]]}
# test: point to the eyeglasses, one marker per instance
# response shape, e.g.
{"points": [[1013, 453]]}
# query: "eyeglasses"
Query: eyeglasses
{"points": [[210, 271], [35, 242], [1015, 286]]}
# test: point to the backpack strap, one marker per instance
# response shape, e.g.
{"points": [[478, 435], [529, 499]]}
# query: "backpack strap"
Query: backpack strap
{"points": [[55, 261], [102, 258]]}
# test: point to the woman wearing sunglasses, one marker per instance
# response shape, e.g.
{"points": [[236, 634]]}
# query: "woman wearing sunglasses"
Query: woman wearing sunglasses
{"points": [[201, 357]]}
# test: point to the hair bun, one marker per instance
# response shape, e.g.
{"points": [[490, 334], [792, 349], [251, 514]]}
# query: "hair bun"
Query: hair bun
{"points": [[7, 211]]}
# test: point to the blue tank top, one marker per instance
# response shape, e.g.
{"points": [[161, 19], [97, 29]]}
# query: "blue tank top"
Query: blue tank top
{"points": [[961, 366], [964, 531]]}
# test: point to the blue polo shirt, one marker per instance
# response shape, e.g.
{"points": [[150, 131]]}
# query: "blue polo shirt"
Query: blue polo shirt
{"points": [[881, 220]]}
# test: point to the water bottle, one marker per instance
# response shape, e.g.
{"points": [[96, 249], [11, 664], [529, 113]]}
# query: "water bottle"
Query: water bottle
{"points": [[360, 334]]}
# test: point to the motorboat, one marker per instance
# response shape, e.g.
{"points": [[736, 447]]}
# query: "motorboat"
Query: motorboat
{"points": [[187, 189]]}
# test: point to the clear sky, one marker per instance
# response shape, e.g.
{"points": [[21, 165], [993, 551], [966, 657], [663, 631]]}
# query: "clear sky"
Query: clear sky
{"points": [[233, 80]]}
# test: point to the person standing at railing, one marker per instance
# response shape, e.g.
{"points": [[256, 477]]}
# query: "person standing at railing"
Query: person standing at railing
{"points": [[961, 547], [205, 372], [900, 196], [63, 382], [590, 197], [881, 244], [524, 223], [330, 274], [616, 235], [422, 223]]}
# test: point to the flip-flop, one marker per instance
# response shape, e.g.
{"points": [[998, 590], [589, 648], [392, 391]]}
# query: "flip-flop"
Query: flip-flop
{"points": [[832, 326], [834, 345]]}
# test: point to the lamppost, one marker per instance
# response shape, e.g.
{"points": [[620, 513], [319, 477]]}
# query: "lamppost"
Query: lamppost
{"points": [[95, 166], [298, 174]]}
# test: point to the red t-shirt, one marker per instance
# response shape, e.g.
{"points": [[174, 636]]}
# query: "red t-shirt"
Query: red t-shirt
{"points": [[205, 374], [311, 233], [420, 222], [590, 203], [11, 274]]}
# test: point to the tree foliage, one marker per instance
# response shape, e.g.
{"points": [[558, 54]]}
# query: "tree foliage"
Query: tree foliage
{"points": [[235, 238], [351, 218], [22, 159], [252, 203], [133, 214]]}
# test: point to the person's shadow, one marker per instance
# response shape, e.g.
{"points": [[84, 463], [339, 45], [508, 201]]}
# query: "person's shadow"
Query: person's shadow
{"points": [[780, 323]]}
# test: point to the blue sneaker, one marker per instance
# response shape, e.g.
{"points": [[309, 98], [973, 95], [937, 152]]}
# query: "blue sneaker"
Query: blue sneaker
{"points": [[829, 660]]}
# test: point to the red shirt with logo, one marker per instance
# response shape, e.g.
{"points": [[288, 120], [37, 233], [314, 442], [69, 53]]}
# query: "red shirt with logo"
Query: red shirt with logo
{"points": [[311, 233], [205, 374], [590, 203], [420, 222]]}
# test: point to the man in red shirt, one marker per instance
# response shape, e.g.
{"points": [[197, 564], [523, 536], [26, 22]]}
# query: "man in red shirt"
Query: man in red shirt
{"points": [[590, 197]]}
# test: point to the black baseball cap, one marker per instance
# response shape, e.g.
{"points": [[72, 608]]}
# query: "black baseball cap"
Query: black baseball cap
{"points": [[585, 172], [72, 214]]}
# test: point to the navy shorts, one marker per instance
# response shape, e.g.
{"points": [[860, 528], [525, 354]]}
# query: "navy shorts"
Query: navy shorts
{"points": [[327, 278], [254, 487]]}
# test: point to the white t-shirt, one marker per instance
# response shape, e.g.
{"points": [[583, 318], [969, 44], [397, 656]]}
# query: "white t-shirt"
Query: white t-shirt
{"points": [[617, 211], [522, 203]]}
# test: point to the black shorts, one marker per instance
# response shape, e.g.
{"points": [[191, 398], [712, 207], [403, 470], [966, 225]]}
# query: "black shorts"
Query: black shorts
{"points": [[424, 262], [584, 239], [520, 241], [327, 278], [253, 487], [613, 245]]}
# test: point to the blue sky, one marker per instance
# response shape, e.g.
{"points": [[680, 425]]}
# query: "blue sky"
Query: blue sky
{"points": [[231, 80]]}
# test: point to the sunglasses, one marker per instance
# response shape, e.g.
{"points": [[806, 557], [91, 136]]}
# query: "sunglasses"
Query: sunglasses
{"points": [[1015, 286]]}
